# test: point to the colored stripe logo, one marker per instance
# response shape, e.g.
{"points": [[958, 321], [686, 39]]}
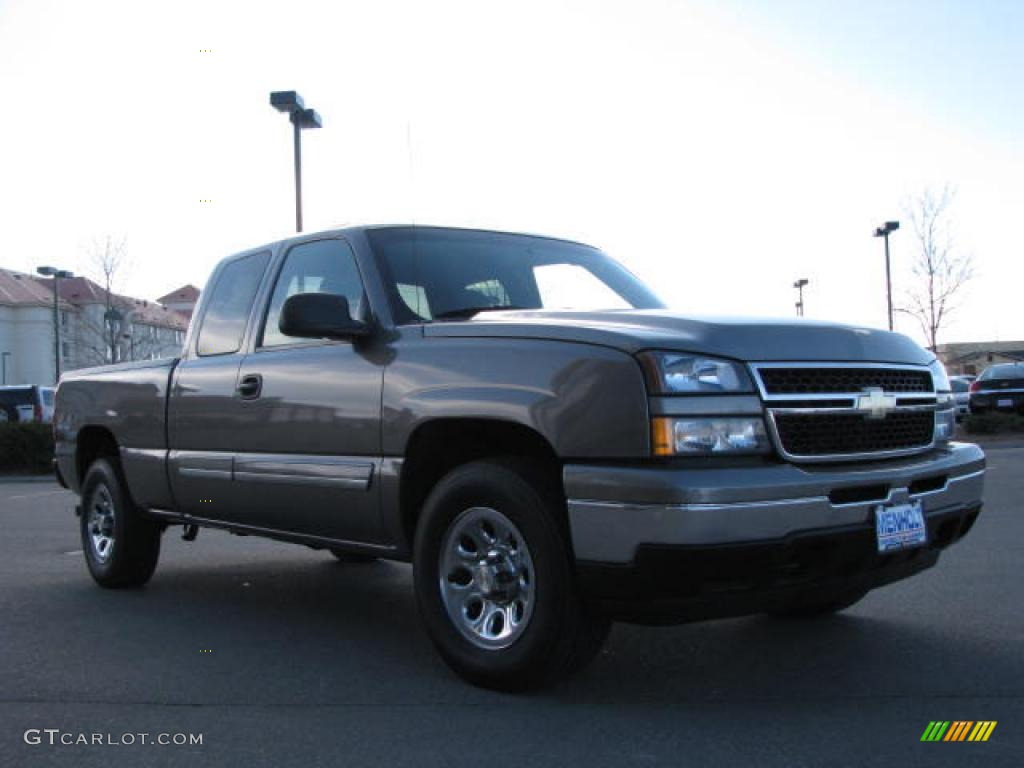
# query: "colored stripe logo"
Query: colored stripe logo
{"points": [[958, 730]]}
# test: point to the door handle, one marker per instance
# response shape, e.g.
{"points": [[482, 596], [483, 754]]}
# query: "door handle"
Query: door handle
{"points": [[249, 387]]}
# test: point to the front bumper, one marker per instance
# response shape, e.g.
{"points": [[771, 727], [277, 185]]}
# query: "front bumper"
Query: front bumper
{"points": [[729, 541]]}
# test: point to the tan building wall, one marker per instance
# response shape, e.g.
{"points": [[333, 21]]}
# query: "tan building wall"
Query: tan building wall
{"points": [[971, 358], [26, 333]]}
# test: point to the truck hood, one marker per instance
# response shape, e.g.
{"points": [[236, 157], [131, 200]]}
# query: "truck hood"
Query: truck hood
{"points": [[747, 339]]}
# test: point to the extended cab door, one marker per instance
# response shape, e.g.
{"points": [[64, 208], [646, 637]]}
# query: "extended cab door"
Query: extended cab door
{"points": [[309, 440], [204, 409]]}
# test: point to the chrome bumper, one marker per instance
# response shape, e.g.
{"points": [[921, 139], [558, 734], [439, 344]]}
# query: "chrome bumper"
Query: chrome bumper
{"points": [[614, 510]]}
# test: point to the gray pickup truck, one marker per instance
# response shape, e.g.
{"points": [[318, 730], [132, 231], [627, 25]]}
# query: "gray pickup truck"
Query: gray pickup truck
{"points": [[524, 421]]}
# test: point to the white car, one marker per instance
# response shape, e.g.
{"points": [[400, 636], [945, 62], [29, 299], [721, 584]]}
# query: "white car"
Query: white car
{"points": [[961, 386]]}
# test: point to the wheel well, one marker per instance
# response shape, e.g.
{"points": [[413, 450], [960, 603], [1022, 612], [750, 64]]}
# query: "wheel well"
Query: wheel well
{"points": [[93, 443], [437, 447]]}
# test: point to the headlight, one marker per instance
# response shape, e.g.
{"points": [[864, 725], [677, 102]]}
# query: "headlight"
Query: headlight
{"points": [[940, 378], [671, 373], [702, 437], [945, 417]]}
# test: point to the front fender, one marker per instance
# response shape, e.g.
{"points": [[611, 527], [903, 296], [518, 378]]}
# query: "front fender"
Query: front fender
{"points": [[586, 401]]}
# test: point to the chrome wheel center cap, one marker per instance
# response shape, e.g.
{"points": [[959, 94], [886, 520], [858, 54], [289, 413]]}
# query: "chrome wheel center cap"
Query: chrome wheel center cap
{"points": [[498, 576]]}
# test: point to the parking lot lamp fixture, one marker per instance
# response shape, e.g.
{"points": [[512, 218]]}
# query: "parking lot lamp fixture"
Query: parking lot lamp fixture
{"points": [[799, 285], [57, 275], [884, 231], [301, 117]]}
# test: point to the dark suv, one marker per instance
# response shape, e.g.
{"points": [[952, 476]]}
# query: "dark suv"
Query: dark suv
{"points": [[26, 403]]}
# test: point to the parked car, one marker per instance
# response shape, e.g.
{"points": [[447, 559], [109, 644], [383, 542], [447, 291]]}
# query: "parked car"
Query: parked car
{"points": [[961, 386], [999, 388], [524, 421], [27, 403]]}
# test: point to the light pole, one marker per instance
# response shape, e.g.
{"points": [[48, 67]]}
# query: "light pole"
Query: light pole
{"points": [[799, 285], [884, 231], [291, 102], [4, 356], [57, 275]]}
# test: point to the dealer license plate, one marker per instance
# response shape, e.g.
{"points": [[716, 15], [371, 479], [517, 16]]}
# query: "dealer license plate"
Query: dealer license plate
{"points": [[900, 526]]}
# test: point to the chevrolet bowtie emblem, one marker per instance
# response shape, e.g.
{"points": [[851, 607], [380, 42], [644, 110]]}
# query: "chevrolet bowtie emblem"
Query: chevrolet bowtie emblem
{"points": [[875, 404]]}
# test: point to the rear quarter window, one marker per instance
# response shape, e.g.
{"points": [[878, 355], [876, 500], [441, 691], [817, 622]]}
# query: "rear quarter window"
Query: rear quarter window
{"points": [[230, 303]]}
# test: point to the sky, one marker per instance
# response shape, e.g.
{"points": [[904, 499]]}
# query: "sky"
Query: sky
{"points": [[720, 150]]}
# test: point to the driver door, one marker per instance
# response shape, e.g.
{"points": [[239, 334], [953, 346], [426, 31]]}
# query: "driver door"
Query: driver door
{"points": [[309, 438]]}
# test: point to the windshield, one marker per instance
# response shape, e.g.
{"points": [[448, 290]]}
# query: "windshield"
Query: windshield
{"points": [[437, 274]]}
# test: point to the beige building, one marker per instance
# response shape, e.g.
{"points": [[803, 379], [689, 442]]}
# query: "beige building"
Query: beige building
{"points": [[182, 300], [26, 329], [971, 358], [95, 329]]}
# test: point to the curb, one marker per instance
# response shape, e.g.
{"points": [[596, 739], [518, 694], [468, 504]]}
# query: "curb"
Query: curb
{"points": [[48, 478]]}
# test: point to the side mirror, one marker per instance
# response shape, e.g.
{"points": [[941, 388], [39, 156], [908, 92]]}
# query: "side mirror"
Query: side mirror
{"points": [[319, 316]]}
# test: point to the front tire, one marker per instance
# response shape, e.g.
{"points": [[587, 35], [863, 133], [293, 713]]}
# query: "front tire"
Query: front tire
{"points": [[121, 546], [494, 579]]}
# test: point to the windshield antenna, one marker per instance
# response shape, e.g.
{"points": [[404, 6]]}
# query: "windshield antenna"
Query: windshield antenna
{"points": [[412, 216]]}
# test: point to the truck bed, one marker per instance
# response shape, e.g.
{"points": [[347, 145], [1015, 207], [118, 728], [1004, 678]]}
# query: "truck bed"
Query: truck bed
{"points": [[128, 400]]}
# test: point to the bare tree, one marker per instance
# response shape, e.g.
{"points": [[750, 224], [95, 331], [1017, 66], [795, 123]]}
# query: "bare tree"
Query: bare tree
{"points": [[112, 327], [107, 332], [941, 269], [108, 257]]}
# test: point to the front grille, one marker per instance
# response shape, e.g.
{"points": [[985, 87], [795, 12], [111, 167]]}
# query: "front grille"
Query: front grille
{"points": [[814, 381], [851, 433]]}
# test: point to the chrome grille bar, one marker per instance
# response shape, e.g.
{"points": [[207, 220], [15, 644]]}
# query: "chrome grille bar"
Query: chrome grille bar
{"points": [[909, 398]]}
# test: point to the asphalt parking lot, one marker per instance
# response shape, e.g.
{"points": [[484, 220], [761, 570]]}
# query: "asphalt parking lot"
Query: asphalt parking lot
{"points": [[278, 655]]}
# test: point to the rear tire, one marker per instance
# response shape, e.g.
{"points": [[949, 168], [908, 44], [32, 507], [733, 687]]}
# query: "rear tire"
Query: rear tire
{"points": [[810, 609], [121, 546], [491, 541]]}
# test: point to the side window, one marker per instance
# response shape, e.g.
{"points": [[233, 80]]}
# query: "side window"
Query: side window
{"points": [[322, 266], [230, 302]]}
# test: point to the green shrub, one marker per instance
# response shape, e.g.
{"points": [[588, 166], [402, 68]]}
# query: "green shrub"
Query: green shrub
{"points": [[994, 423], [25, 447]]}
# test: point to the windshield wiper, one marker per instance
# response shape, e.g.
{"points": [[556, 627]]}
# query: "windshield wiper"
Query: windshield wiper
{"points": [[467, 312]]}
